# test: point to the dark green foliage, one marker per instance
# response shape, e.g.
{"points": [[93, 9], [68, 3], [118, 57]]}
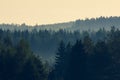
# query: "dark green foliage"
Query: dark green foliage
{"points": [[93, 60], [60, 64], [102, 61], [45, 42], [96, 56], [77, 63], [19, 63]]}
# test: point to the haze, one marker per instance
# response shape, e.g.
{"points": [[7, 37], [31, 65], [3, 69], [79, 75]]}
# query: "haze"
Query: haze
{"points": [[53, 11]]}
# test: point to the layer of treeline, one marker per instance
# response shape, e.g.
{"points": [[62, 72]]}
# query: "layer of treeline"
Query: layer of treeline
{"points": [[45, 42], [17, 62], [80, 24], [83, 60], [88, 60]]}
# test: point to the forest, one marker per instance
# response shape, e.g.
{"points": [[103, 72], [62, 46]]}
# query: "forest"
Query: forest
{"points": [[60, 54], [88, 57]]}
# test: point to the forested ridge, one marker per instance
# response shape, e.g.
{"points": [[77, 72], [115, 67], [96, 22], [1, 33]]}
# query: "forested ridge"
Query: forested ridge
{"points": [[63, 54], [89, 60], [45, 42], [88, 57], [44, 39], [93, 24]]}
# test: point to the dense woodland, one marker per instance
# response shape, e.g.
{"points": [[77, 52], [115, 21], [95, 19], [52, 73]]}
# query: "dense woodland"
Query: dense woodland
{"points": [[60, 55], [89, 60], [86, 58], [45, 42]]}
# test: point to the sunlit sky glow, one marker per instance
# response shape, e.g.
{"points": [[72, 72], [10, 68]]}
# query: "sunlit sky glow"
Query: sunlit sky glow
{"points": [[53, 11]]}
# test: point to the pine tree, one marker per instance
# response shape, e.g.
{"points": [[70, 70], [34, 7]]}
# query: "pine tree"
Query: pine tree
{"points": [[101, 61], [77, 63], [60, 61], [19, 63]]}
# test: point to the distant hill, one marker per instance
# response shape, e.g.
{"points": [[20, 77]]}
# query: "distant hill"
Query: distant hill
{"points": [[44, 39], [80, 25]]}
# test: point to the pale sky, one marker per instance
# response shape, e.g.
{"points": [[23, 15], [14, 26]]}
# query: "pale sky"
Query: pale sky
{"points": [[54, 11]]}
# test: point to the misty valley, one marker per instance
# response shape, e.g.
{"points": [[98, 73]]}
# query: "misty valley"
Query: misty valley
{"points": [[78, 50]]}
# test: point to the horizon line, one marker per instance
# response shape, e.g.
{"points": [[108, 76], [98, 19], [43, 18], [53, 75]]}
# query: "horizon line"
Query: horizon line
{"points": [[86, 18]]}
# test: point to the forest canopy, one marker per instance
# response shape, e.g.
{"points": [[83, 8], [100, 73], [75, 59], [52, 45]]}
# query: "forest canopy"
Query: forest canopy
{"points": [[46, 54]]}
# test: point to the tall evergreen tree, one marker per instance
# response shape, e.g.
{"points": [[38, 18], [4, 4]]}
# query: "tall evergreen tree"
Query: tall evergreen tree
{"points": [[60, 61], [101, 61], [77, 63], [19, 63]]}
